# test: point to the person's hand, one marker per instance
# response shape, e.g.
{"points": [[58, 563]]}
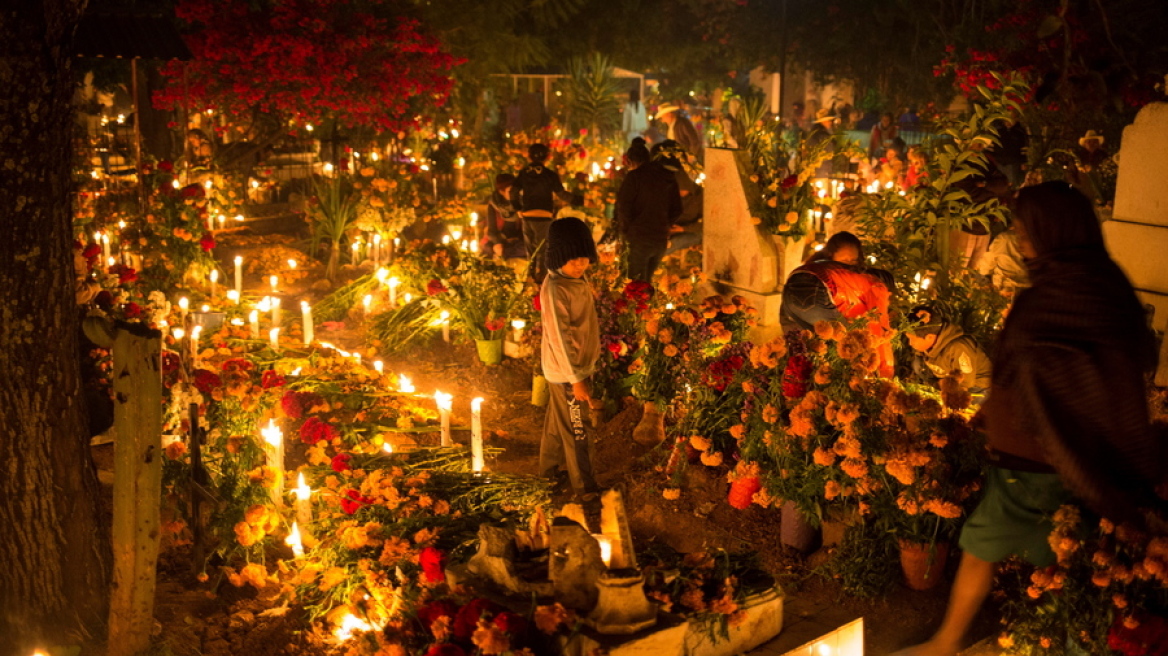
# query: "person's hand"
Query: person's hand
{"points": [[581, 392]]}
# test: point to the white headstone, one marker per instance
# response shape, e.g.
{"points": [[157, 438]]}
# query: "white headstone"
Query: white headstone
{"points": [[1137, 234]]}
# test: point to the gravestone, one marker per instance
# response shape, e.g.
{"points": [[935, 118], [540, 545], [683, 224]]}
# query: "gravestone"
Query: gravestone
{"points": [[614, 525], [574, 564], [1137, 234], [737, 256]]}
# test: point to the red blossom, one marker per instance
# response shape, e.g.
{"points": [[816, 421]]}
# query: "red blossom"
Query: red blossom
{"points": [[435, 287], [313, 430], [207, 381], [536, 303], [166, 165], [510, 623], [433, 563], [296, 404], [194, 191], [340, 462], [446, 649], [468, 617], [495, 324], [207, 242], [132, 310], [352, 501], [272, 378], [436, 609], [91, 252], [795, 376]]}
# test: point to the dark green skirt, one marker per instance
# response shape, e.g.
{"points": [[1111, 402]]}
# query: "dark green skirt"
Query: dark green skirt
{"points": [[1014, 517]]}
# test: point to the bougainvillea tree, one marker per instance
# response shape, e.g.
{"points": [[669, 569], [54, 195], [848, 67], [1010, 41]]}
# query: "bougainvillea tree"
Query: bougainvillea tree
{"points": [[361, 64]]}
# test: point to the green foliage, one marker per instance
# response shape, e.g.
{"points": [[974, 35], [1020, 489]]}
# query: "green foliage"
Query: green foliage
{"points": [[481, 295], [333, 208], [591, 94], [403, 327], [337, 304], [865, 564]]}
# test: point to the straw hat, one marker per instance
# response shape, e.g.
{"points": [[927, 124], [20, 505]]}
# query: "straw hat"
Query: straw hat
{"points": [[1091, 136], [824, 116], [667, 108]]}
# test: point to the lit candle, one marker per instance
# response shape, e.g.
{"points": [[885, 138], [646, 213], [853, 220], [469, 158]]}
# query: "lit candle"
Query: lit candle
{"points": [[396, 245], [274, 281], [233, 296], [306, 319], [183, 306], [214, 282], [303, 501], [239, 274], [378, 366], [292, 264], [274, 338], [293, 540], [105, 246], [222, 222], [518, 325], [275, 311], [404, 385], [476, 434], [254, 320], [445, 319], [274, 441], [356, 252], [382, 274], [408, 297], [195, 333], [393, 285], [367, 302], [445, 403], [376, 249]]}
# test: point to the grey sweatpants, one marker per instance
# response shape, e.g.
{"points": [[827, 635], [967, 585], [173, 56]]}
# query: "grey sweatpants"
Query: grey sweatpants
{"points": [[567, 439]]}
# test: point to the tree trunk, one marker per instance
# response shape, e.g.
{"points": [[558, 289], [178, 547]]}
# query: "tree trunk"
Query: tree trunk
{"points": [[54, 552]]}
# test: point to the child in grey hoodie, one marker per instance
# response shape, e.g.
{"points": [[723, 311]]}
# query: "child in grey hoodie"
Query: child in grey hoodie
{"points": [[571, 347]]}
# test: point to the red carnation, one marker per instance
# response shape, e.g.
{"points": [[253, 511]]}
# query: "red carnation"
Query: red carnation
{"points": [[433, 564], [314, 430], [340, 462], [435, 609], [193, 191], [435, 287], [469, 615], [495, 324], [510, 623], [789, 181], [535, 303], [207, 381], [795, 376], [446, 649], [132, 310], [207, 242], [91, 252], [272, 378], [352, 501], [166, 165]]}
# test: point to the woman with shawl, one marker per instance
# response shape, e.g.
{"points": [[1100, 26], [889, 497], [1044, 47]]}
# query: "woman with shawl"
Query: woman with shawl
{"points": [[1067, 414]]}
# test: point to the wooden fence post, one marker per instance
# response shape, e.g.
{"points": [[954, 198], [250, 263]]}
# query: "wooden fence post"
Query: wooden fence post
{"points": [[137, 382]]}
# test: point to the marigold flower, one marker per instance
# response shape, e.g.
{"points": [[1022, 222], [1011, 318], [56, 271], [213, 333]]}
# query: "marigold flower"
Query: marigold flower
{"points": [[831, 490], [711, 458], [738, 431], [823, 457], [700, 443]]}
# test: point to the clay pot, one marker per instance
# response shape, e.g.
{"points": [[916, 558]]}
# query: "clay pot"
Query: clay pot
{"points": [[923, 564], [651, 430]]}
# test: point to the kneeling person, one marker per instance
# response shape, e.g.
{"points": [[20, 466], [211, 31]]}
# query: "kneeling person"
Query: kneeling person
{"points": [[946, 357]]}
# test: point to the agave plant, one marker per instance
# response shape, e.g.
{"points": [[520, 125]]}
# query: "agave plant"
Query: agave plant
{"points": [[333, 209], [591, 93]]}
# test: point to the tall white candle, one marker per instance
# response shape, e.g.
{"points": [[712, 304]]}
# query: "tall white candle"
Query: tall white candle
{"points": [[379, 366], [183, 306], [274, 447], [445, 403], [394, 283], [105, 246], [274, 281], [214, 282], [518, 325], [274, 338], [254, 319], [303, 501], [367, 303], [306, 318], [239, 274], [476, 434], [276, 311], [196, 332], [233, 296], [445, 319], [377, 249]]}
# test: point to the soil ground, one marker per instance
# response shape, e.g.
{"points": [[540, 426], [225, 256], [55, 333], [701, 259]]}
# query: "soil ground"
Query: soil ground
{"points": [[195, 620]]}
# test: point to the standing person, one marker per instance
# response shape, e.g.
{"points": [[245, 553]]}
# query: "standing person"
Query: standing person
{"points": [[881, 137], [570, 350], [533, 197], [831, 286], [647, 205], [681, 130], [1067, 415], [634, 120], [504, 227]]}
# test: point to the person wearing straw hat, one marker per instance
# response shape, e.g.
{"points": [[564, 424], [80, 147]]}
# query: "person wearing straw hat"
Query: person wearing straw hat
{"points": [[1090, 157], [681, 129]]}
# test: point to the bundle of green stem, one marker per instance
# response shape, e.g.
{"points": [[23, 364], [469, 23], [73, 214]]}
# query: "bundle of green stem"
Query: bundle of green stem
{"points": [[400, 327], [336, 305]]}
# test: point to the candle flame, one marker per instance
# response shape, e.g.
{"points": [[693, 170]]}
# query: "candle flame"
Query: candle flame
{"points": [[304, 306], [476, 404], [394, 282], [378, 366], [204, 308], [183, 303], [605, 543], [445, 401], [179, 333], [519, 324], [238, 260], [382, 274], [272, 433], [291, 264], [293, 540], [349, 624], [405, 385], [387, 447], [303, 492]]}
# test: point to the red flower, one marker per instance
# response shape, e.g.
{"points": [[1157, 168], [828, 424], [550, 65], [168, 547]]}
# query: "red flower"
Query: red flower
{"points": [[468, 617], [446, 649], [495, 324], [340, 462], [207, 242], [510, 623], [194, 191], [314, 430], [272, 378], [789, 181], [206, 381], [435, 287], [795, 376], [436, 609], [536, 303], [132, 310], [742, 491], [166, 165], [295, 404], [352, 501], [125, 274], [91, 252], [433, 564]]}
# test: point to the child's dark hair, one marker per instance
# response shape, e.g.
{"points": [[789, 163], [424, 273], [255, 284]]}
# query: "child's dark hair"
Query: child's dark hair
{"points": [[504, 180], [925, 321]]}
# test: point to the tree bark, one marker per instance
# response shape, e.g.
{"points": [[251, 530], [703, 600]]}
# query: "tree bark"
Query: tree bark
{"points": [[54, 552]]}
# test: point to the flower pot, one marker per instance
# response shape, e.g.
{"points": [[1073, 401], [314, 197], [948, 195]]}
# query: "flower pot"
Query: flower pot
{"points": [[539, 391], [795, 531], [923, 563], [651, 429], [490, 350]]}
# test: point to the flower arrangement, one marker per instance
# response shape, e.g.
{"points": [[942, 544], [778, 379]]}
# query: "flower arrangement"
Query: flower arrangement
{"points": [[481, 294]]}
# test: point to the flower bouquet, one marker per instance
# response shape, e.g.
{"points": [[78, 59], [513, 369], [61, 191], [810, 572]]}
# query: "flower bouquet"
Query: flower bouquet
{"points": [[481, 294]]}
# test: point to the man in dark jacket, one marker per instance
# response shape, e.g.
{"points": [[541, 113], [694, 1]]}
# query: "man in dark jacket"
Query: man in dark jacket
{"points": [[647, 205], [533, 196]]}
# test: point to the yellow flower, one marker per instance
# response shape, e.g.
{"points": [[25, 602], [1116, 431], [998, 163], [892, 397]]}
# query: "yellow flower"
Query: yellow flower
{"points": [[671, 493], [670, 351], [700, 443], [712, 458], [738, 431], [823, 457], [1005, 641], [831, 490], [332, 577]]}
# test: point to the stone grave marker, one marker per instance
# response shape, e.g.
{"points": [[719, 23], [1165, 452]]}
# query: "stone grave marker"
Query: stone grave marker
{"points": [[614, 525]]}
